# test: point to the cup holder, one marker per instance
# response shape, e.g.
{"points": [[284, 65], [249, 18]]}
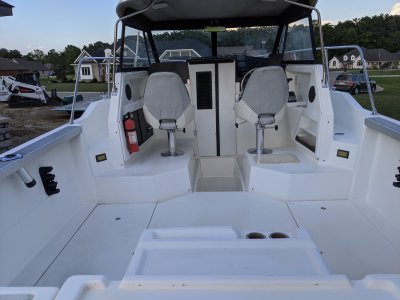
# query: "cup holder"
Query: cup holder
{"points": [[278, 235], [255, 236]]}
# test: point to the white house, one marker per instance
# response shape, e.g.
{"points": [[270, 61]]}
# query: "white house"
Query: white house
{"points": [[375, 58], [90, 69]]}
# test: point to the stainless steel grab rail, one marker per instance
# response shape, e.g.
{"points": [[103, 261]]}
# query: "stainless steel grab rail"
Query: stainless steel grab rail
{"points": [[78, 77], [325, 63], [114, 90], [365, 71]]}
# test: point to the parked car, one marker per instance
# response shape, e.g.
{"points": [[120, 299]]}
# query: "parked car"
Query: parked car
{"points": [[353, 83]]}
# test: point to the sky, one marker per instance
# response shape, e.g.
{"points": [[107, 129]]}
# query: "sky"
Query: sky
{"points": [[53, 24]]}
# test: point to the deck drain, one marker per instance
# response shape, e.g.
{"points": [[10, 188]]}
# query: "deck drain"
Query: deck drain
{"points": [[10, 157], [255, 236], [278, 235]]}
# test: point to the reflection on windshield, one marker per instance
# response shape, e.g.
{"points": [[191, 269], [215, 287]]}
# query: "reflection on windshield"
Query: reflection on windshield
{"points": [[298, 43], [253, 42]]}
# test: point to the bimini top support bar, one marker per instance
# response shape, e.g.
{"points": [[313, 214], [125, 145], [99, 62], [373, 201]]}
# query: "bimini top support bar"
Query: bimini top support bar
{"points": [[114, 89], [78, 78], [325, 65], [365, 70]]}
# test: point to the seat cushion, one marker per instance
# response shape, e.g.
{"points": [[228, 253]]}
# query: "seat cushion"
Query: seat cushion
{"points": [[165, 96], [266, 91]]}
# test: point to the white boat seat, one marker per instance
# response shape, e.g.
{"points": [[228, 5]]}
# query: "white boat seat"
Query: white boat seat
{"points": [[167, 106], [264, 96]]}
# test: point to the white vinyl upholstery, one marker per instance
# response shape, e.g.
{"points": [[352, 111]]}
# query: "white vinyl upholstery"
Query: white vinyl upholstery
{"points": [[167, 106], [264, 96], [166, 98]]}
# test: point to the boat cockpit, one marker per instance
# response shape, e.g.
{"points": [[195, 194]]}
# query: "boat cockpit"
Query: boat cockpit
{"points": [[222, 165]]}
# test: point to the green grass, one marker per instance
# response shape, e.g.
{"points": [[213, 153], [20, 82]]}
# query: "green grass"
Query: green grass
{"points": [[383, 72], [70, 86], [387, 102]]}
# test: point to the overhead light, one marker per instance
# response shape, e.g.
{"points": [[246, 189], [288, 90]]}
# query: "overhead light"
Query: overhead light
{"points": [[159, 5]]}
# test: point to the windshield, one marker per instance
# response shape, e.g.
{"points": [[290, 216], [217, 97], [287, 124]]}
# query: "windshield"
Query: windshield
{"points": [[298, 45], [136, 50], [251, 45], [254, 41], [182, 45]]}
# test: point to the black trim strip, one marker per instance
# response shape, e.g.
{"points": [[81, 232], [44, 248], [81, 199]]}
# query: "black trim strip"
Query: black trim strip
{"points": [[214, 44], [217, 129], [210, 60], [153, 46]]}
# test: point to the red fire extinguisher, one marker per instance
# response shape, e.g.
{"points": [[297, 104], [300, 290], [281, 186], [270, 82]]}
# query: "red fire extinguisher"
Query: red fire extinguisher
{"points": [[130, 134]]}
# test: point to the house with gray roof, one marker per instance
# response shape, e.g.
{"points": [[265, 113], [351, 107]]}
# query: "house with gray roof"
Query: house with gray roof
{"points": [[92, 68], [181, 50], [33, 65], [375, 58], [9, 67], [5, 9]]}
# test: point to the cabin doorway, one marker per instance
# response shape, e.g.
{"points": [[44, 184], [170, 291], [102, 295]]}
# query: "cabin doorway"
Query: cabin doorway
{"points": [[213, 94]]}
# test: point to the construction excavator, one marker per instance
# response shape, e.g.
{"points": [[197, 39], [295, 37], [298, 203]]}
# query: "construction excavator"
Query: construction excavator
{"points": [[23, 91]]}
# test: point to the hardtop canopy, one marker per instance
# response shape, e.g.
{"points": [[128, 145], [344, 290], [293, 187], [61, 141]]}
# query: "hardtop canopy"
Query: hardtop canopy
{"points": [[198, 14]]}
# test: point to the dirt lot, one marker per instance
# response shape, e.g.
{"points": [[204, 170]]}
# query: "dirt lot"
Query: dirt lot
{"points": [[27, 123]]}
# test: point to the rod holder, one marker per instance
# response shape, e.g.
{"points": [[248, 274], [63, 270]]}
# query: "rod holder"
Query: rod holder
{"points": [[26, 178]]}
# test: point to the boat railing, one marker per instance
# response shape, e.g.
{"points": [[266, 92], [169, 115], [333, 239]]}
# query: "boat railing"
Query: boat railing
{"points": [[135, 13], [364, 66], [365, 70], [78, 77], [325, 63]]}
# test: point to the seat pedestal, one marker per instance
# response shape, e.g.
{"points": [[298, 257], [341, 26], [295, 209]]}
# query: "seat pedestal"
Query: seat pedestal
{"points": [[171, 145], [259, 142]]}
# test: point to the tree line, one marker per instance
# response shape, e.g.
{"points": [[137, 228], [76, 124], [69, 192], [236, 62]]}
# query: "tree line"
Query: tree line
{"points": [[381, 31]]}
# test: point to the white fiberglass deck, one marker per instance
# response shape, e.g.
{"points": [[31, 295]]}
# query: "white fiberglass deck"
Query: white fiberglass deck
{"points": [[105, 243]]}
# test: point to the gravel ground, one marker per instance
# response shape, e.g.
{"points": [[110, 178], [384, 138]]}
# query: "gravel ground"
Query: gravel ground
{"points": [[27, 123]]}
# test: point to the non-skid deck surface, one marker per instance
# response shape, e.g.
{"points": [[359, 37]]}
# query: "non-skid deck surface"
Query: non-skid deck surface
{"points": [[243, 211], [105, 242], [103, 245], [349, 241]]}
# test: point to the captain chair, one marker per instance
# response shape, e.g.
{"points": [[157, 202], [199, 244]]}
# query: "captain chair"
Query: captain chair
{"points": [[167, 106], [264, 96]]}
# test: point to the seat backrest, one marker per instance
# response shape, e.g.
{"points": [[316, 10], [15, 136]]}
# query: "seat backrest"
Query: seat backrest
{"points": [[267, 90], [165, 96]]}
